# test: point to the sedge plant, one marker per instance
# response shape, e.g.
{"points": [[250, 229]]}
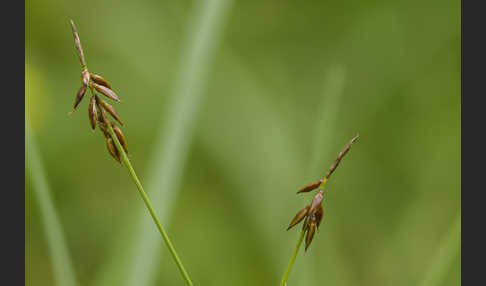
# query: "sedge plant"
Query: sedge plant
{"points": [[115, 139], [312, 214]]}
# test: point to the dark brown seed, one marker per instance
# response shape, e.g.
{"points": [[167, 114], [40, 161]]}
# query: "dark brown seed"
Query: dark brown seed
{"points": [[111, 110], [309, 187], [319, 214], [106, 91], [85, 77], [316, 202], [100, 80], [299, 217], [93, 113], [77, 43], [79, 95], [310, 233], [120, 136], [112, 149]]}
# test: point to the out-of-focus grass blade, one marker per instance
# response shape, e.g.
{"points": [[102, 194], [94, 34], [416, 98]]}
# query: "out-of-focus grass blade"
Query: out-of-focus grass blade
{"points": [[58, 250], [448, 249], [173, 142]]}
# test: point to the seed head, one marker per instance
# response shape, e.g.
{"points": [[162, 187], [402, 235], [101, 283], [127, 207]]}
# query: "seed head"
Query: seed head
{"points": [[97, 108], [313, 213]]}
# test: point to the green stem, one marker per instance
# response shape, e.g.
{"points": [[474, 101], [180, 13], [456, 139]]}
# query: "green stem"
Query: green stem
{"points": [[292, 260], [146, 200]]}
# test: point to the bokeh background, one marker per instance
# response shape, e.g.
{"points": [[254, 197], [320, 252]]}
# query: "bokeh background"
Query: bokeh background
{"points": [[229, 108]]}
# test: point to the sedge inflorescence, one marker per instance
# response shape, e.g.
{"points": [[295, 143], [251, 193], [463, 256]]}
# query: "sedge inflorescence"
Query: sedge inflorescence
{"points": [[98, 108], [312, 214]]}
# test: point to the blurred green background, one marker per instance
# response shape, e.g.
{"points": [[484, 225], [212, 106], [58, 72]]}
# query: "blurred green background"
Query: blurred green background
{"points": [[229, 108]]}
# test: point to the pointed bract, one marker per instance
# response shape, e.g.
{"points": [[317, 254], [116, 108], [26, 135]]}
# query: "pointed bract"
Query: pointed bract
{"points": [[112, 149], [106, 91], [77, 43], [309, 187], [120, 136], [100, 80], [79, 95], [110, 110], [310, 233], [299, 217], [316, 202], [93, 113], [319, 215]]}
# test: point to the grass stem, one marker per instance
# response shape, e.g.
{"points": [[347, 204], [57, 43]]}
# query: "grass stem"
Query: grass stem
{"points": [[146, 200], [292, 259]]}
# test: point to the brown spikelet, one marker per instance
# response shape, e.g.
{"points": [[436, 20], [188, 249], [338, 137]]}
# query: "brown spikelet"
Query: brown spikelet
{"points": [[120, 136], [112, 149], [100, 80], [77, 43], [311, 230], [79, 95], [319, 215], [93, 113], [106, 91], [340, 156], [309, 187], [110, 110], [299, 217], [316, 202]]}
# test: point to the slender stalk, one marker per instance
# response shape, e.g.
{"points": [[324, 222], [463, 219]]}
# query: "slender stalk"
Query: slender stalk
{"points": [[144, 196], [292, 259]]}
